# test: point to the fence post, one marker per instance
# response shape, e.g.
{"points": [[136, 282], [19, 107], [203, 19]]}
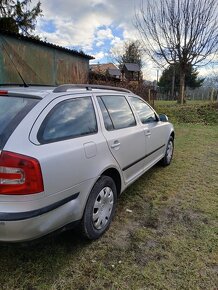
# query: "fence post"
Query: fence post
{"points": [[211, 96]]}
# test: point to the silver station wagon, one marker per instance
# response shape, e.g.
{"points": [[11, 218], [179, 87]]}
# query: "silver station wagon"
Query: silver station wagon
{"points": [[67, 153]]}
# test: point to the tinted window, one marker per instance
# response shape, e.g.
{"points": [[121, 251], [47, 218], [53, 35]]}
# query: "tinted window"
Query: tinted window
{"points": [[12, 112], [69, 119], [146, 114], [116, 112]]}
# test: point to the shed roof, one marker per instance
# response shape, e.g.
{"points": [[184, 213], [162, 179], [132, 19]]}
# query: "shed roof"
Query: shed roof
{"points": [[45, 43], [132, 67], [114, 72]]}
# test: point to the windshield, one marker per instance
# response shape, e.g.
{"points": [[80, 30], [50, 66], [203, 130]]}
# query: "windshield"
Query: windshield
{"points": [[12, 111]]}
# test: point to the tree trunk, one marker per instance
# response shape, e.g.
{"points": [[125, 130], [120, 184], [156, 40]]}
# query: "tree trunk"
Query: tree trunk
{"points": [[173, 83], [181, 88]]}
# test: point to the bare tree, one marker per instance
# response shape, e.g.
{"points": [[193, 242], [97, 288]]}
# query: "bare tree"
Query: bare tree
{"points": [[179, 31]]}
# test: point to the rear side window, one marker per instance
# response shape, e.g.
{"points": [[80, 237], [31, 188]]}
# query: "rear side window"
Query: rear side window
{"points": [[12, 112], [116, 112], [146, 114], [68, 119]]}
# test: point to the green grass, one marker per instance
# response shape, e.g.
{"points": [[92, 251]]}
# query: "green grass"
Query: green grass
{"points": [[168, 241]]}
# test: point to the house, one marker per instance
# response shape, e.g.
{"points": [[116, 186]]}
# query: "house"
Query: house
{"points": [[106, 69], [40, 62], [115, 73], [131, 72]]}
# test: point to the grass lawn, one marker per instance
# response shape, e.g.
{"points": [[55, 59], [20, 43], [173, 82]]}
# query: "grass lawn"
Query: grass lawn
{"points": [[164, 234]]}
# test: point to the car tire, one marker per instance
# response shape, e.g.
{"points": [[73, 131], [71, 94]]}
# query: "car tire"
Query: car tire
{"points": [[169, 152], [100, 208]]}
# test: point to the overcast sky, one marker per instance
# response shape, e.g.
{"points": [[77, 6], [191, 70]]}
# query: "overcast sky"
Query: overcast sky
{"points": [[95, 26]]}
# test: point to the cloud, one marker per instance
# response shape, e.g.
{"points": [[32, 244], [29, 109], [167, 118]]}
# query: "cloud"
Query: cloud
{"points": [[76, 24], [95, 26], [208, 70], [99, 43], [116, 41], [104, 34], [81, 21], [99, 57]]}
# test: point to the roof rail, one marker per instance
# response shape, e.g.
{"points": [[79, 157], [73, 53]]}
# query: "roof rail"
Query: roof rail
{"points": [[88, 87]]}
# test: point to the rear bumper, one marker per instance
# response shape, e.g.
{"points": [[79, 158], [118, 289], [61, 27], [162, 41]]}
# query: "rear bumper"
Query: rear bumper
{"points": [[29, 225]]}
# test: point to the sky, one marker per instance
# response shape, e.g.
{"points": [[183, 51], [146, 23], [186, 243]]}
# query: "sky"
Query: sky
{"points": [[97, 27]]}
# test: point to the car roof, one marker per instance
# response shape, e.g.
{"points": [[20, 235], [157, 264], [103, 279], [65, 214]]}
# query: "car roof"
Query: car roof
{"points": [[42, 91], [34, 91]]}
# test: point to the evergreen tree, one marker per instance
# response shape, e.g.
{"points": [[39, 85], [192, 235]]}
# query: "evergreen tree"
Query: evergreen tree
{"points": [[17, 17], [131, 53], [191, 80]]}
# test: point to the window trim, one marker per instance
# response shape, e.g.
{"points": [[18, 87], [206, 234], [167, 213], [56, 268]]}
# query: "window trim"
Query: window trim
{"points": [[99, 97], [114, 95], [43, 124]]}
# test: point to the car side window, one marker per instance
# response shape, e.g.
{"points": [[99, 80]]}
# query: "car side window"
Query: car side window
{"points": [[146, 114], [68, 119], [116, 112]]}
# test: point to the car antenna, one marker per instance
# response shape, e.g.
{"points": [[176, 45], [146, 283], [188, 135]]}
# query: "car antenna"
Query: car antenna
{"points": [[24, 83]]}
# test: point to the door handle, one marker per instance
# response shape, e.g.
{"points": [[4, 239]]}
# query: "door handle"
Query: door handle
{"points": [[147, 133], [116, 144]]}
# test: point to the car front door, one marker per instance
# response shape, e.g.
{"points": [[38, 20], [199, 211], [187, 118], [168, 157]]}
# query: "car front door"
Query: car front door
{"points": [[155, 131], [125, 137]]}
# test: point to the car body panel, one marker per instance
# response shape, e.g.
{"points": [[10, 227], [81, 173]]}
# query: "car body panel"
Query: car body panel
{"points": [[70, 168]]}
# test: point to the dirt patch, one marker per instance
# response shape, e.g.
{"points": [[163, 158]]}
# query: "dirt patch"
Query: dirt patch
{"points": [[122, 237], [173, 214]]}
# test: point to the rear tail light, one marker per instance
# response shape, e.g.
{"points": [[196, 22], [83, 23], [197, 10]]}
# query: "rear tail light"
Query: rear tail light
{"points": [[19, 174], [3, 92]]}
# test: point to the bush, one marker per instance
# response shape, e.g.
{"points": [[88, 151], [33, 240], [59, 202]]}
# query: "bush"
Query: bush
{"points": [[197, 113]]}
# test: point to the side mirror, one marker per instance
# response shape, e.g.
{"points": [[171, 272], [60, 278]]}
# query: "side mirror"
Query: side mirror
{"points": [[163, 118]]}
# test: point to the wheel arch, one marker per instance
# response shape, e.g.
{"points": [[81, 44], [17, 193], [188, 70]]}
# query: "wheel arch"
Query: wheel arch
{"points": [[172, 134], [115, 175]]}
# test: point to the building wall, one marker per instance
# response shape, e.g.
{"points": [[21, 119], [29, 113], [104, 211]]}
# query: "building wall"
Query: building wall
{"points": [[39, 64], [130, 75]]}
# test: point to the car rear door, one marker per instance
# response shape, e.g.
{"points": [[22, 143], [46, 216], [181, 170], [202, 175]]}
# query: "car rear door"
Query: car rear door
{"points": [[69, 144], [125, 137]]}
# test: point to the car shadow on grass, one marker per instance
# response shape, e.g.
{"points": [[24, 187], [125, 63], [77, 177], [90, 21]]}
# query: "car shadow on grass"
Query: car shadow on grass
{"points": [[28, 265], [40, 262]]}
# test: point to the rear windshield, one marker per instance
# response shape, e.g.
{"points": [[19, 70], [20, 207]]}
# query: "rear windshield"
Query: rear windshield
{"points": [[12, 112]]}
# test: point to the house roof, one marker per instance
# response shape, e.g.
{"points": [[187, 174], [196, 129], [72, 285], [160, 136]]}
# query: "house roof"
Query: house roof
{"points": [[114, 72], [132, 67], [46, 44], [102, 68]]}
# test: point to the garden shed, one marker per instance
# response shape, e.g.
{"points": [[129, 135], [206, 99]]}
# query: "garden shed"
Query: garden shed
{"points": [[40, 62]]}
